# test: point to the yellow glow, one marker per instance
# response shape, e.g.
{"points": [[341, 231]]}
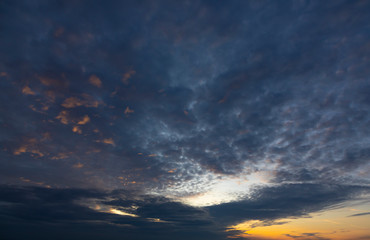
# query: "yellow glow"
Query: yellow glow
{"points": [[119, 212], [85, 120], [335, 224], [156, 220]]}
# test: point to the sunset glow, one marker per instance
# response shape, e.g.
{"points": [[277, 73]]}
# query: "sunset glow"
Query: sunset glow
{"points": [[340, 223]]}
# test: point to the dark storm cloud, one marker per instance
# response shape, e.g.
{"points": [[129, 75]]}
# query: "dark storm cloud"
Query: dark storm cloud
{"points": [[67, 213], [61, 213], [290, 200]]}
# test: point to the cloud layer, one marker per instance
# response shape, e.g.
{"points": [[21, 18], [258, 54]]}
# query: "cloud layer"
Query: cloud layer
{"points": [[195, 102]]}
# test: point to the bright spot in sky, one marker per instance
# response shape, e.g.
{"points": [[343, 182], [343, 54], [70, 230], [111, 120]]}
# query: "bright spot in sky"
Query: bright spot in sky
{"points": [[119, 212], [99, 207], [227, 189], [223, 191]]}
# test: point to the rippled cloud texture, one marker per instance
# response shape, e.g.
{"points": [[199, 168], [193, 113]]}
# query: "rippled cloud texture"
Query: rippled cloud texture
{"points": [[182, 119]]}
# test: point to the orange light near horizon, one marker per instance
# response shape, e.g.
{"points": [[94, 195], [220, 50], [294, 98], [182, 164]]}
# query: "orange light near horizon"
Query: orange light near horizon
{"points": [[335, 224]]}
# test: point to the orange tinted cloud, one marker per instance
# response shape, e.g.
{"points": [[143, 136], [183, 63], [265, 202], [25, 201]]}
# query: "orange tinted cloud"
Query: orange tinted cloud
{"points": [[72, 102], [107, 141], [34, 182], [128, 111], [29, 146], [85, 120], [127, 76], [78, 165], [53, 82], [45, 107], [61, 156], [63, 117], [43, 104], [27, 91], [87, 101], [77, 129], [21, 149], [94, 80]]}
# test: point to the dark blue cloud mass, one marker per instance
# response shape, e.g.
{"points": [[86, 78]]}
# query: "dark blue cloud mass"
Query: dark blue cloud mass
{"points": [[144, 106], [42, 213]]}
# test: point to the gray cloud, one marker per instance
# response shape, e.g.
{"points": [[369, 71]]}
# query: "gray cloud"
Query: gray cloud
{"points": [[359, 214]]}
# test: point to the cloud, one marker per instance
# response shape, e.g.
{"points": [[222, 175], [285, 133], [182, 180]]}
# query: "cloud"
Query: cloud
{"points": [[73, 102], [29, 146], [77, 129], [27, 90], [290, 200], [123, 213], [307, 236], [127, 76], [63, 208], [63, 116], [295, 120], [84, 120], [108, 141], [359, 214], [58, 82], [94, 80], [78, 165], [128, 111]]}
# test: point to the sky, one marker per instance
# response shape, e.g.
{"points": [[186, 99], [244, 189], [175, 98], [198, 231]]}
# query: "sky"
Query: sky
{"points": [[240, 119]]}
